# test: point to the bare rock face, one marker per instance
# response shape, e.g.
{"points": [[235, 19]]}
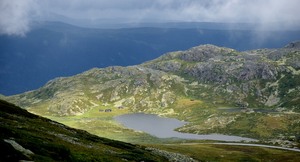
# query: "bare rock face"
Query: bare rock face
{"points": [[295, 45], [214, 64], [203, 53]]}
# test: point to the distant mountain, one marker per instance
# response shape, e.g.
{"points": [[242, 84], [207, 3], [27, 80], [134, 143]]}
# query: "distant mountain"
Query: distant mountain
{"points": [[54, 49], [218, 90], [28, 137]]}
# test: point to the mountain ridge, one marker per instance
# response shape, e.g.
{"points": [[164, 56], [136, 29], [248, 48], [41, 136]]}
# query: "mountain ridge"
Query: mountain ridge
{"points": [[206, 63], [54, 49], [261, 86]]}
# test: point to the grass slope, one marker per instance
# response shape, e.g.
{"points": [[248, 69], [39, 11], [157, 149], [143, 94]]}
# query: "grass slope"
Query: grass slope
{"points": [[25, 136]]}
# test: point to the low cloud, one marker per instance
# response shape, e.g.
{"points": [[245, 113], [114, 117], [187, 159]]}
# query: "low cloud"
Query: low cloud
{"points": [[246, 11], [15, 15]]}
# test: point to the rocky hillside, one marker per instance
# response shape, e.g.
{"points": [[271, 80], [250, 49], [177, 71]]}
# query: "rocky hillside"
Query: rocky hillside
{"points": [[257, 78], [192, 85], [138, 88]]}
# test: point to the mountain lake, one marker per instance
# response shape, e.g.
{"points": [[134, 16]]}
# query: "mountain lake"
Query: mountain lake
{"points": [[162, 127]]}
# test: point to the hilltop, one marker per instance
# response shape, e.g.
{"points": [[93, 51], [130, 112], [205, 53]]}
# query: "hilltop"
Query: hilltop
{"points": [[216, 89], [54, 49]]}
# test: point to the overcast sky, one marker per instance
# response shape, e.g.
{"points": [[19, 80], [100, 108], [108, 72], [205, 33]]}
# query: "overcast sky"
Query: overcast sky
{"points": [[16, 15]]}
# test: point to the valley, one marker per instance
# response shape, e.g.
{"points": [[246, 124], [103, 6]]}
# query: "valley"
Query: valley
{"points": [[149, 81], [26, 136]]}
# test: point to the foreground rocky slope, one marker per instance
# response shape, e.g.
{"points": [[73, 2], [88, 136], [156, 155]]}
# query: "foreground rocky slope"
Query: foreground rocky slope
{"points": [[218, 90], [25, 136]]}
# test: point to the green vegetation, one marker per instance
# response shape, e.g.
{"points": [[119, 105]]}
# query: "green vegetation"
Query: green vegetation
{"points": [[52, 141], [102, 124], [47, 140]]}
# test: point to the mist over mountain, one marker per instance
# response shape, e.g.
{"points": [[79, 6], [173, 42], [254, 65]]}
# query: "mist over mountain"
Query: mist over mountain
{"points": [[53, 49]]}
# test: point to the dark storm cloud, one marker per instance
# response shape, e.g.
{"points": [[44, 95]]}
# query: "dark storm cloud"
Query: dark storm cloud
{"points": [[281, 12]]}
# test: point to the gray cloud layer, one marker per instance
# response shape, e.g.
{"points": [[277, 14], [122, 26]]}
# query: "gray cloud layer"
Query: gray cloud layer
{"points": [[15, 15]]}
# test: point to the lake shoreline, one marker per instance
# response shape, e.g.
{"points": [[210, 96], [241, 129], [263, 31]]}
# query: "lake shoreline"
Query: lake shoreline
{"points": [[163, 127]]}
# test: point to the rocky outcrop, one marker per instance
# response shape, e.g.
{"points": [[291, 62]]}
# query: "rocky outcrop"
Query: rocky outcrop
{"points": [[215, 64], [29, 154], [204, 53], [253, 74], [293, 45], [172, 157]]}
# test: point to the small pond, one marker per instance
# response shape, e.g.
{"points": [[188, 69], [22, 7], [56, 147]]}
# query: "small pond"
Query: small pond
{"points": [[164, 127]]}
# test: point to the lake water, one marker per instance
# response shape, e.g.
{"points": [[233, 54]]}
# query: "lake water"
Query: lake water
{"points": [[164, 127]]}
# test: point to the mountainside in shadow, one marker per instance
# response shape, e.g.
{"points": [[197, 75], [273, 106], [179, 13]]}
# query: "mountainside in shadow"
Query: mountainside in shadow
{"points": [[217, 90], [25, 136]]}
